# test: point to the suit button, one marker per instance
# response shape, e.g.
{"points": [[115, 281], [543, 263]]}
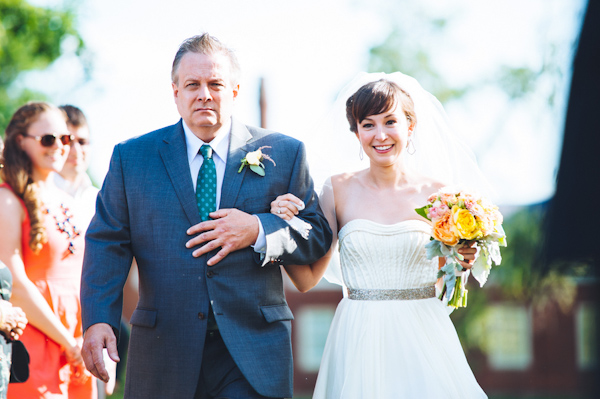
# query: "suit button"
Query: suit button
{"points": [[201, 316], [209, 274]]}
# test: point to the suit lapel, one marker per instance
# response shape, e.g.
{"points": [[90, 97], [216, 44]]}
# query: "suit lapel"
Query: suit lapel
{"points": [[173, 152], [238, 147]]}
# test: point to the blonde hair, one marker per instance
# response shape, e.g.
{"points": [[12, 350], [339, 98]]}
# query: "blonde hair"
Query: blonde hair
{"points": [[208, 45]]}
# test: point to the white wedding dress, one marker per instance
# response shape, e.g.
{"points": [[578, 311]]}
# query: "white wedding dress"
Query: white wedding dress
{"points": [[401, 348]]}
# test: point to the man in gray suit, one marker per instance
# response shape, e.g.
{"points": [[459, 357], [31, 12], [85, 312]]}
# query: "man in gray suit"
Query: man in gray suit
{"points": [[212, 320]]}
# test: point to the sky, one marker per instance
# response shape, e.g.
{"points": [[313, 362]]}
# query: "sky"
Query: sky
{"points": [[306, 51]]}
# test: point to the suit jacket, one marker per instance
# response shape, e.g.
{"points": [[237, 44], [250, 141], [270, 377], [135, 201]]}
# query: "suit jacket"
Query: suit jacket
{"points": [[146, 204]]}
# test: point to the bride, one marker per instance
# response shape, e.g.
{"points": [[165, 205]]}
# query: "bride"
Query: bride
{"points": [[390, 336]]}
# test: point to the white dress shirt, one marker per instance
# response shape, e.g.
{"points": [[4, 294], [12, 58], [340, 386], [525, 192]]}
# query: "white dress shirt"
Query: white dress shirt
{"points": [[220, 147], [83, 194]]}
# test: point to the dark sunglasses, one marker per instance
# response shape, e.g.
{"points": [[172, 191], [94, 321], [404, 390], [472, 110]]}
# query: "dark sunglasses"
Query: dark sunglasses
{"points": [[49, 139], [82, 142]]}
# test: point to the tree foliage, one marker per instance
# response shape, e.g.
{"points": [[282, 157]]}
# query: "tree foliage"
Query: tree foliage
{"points": [[399, 52], [31, 38]]}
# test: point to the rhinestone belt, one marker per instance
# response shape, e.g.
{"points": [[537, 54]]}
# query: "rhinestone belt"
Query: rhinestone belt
{"points": [[389, 295]]}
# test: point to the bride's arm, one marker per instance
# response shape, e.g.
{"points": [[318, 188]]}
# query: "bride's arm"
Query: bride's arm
{"points": [[306, 277], [287, 207]]}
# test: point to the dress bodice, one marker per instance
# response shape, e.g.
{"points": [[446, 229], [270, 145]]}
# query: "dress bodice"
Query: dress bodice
{"points": [[378, 256]]}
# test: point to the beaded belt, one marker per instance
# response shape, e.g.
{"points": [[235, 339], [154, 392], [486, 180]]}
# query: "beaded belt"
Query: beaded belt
{"points": [[389, 295]]}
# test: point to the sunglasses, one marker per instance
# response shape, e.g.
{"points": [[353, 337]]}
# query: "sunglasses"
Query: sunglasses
{"points": [[82, 142], [48, 140]]}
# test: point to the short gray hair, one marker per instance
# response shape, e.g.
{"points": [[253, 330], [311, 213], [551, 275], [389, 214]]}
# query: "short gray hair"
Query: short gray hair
{"points": [[209, 45]]}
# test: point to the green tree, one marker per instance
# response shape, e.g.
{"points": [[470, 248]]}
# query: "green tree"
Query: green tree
{"points": [[31, 38], [418, 33], [400, 52]]}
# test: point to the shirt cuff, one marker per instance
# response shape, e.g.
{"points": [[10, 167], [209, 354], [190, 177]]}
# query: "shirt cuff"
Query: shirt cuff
{"points": [[260, 245]]}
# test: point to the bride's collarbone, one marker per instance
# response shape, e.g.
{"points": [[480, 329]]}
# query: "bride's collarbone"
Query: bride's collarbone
{"points": [[382, 215], [380, 206], [384, 203]]}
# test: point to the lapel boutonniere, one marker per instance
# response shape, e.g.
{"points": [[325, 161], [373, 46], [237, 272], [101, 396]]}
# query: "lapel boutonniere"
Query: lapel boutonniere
{"points": [[254, 161]]}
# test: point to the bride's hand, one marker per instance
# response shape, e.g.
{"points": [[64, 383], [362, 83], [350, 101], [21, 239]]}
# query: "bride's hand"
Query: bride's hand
{"points": [[286, 206], [468, 252]]}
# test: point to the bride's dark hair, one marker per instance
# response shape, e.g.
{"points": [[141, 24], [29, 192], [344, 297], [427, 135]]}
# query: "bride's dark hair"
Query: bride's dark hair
{"points": [[375, 98]]}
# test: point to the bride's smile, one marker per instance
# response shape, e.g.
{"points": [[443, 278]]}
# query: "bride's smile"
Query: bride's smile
{"points": [[383, 148], [384, 136]]}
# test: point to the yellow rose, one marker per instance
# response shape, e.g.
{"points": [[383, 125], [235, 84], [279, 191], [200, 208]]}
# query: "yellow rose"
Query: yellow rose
{"points": [[465, 224], [254, 157], [444, 231]]}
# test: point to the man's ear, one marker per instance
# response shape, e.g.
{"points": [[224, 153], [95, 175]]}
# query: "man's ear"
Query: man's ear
{"points": [[236, 89], [175, 90]]}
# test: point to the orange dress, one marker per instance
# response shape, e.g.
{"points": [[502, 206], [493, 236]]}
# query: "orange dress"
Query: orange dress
{"points": [[57, 274]]}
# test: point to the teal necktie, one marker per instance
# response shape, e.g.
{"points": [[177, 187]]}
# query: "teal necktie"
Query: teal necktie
{"points": [[206, 185], [206, 198]]}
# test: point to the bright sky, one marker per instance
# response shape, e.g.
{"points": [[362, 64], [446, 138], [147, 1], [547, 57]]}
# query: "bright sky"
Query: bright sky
{"points": [[307, 51]]}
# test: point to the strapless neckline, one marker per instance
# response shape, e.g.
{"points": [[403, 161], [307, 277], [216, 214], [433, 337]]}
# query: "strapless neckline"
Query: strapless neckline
{"points": [[399, 227]]}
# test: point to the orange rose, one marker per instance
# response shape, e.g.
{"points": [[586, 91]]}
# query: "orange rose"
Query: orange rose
{"points": [[444, 231]]}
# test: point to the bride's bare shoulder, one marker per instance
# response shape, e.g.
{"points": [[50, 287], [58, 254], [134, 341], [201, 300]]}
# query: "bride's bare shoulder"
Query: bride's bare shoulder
{"points": [[346, 179], [430, 186]]}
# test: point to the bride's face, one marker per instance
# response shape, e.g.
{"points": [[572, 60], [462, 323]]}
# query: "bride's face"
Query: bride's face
{"points": [[384, 136]]}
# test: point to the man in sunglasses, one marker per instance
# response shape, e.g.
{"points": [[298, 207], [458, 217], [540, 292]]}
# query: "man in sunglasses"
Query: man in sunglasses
{"points": [[73, 177], [74, 180]]}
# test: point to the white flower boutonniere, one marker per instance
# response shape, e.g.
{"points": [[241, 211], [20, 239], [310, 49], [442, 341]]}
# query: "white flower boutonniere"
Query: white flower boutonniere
{"points": [[254, 161]]}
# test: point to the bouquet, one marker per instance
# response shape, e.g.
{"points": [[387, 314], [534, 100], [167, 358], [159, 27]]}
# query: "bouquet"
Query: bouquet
{"points": [[459, 217]]}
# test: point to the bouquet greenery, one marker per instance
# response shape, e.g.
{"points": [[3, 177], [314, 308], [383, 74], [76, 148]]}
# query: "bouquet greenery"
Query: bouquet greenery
{"points": [[457, 218]]}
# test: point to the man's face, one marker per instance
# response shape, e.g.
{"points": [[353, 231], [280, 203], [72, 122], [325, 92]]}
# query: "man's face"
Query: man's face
{"points": [[78, 159], [204, 93]]}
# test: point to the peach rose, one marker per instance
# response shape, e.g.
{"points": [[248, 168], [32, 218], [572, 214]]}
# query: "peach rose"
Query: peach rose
{"points": [[486, 224], [444, 231], [448, 199], [432, 198]]}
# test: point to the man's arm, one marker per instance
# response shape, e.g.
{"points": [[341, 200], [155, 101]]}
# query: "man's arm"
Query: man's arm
{"points": [[233, 229], [286, 245], [106, 265]]}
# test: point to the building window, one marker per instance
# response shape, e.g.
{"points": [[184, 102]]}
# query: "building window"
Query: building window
{"points": [[586, 330], [509, 337], [312, 325]]}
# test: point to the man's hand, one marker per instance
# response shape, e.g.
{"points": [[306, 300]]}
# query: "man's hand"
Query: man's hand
{"points": [[96, 338], [230, 229]]}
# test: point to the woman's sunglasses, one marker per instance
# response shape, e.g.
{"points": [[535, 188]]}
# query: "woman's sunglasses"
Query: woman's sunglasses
{"points": [[48, 140]]}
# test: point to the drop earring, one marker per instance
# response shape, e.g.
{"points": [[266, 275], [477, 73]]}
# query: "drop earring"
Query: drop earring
{"points": [[410, 146], [360, 152]]}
